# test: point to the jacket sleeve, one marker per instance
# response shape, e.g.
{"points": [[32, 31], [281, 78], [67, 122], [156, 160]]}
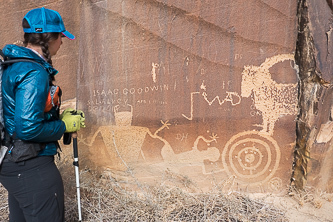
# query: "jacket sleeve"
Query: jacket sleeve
{"points": [[30, 98]]}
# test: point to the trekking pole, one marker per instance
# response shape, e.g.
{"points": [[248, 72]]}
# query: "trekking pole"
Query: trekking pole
{"points": [[76, 164]]}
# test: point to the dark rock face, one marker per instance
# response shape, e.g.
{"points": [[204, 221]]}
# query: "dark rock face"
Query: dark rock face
{"points": [[212, 90], [314, 128]]}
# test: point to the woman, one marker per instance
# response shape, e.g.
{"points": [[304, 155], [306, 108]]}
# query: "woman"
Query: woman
{"points": [[34, 184]]}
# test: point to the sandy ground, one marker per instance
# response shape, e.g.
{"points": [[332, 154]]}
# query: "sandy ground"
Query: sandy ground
{"points": [[308, 212], [308, 209]]}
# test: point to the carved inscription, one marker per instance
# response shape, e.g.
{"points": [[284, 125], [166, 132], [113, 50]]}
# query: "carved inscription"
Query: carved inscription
{"points": [[106, 99]]}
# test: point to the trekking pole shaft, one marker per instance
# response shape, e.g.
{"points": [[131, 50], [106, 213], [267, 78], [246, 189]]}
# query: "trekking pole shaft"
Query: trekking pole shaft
{"points": [[77, 173]]}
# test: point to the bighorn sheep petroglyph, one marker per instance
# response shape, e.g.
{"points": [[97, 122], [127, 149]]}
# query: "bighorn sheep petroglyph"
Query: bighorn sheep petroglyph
{"points": [[270, 98]]}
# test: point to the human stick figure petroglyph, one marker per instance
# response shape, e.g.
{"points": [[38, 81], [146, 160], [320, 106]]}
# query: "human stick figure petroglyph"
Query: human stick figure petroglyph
{"points": [[270, 98], [122, 140], [193, 157], [127, 141], [231, 97]]}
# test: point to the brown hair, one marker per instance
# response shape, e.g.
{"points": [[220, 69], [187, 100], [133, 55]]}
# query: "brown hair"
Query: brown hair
{"points": [[40, 39]]}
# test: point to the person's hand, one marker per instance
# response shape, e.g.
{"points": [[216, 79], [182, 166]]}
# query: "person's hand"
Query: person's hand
{"points": [[73, 119], [66, 111], [72, 122], [82, 120]]}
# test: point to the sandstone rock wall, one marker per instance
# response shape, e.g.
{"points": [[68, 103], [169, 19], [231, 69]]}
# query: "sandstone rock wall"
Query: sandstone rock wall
{"points": [[206, 89]]}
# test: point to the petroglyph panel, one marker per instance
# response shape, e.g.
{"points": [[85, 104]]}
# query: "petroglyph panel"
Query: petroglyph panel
{"points": [[197, 88]]}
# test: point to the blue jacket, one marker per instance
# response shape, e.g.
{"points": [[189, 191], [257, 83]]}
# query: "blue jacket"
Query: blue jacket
{"points": [[25, 87]]}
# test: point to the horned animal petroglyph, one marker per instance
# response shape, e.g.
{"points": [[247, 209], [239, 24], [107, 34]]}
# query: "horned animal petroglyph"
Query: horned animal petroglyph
{"points": [[272, 99]]}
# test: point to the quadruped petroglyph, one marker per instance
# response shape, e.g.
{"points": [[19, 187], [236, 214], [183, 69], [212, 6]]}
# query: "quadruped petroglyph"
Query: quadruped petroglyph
{"points": [[272, 99]]}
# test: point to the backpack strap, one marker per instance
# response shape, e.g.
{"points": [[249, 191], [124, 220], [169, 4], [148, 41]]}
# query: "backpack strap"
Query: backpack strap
{"points": [[7, 61], [11, 61]]}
